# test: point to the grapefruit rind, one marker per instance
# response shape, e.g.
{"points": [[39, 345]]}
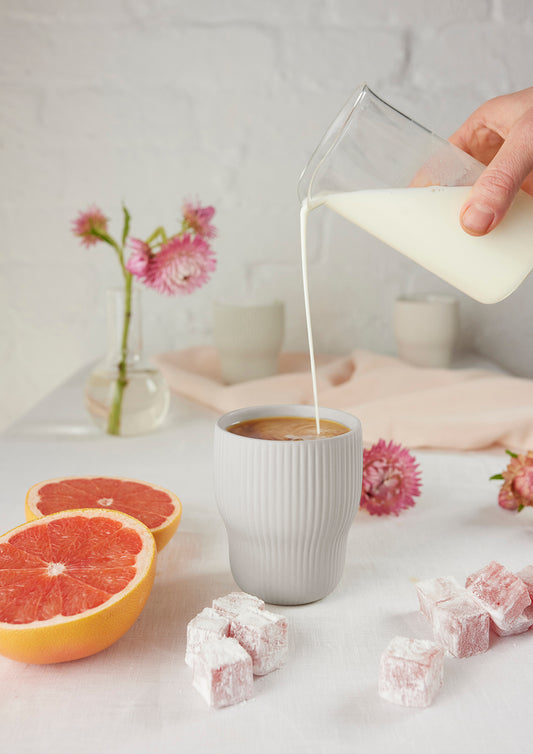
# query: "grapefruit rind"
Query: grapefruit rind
{"points": [[162, 534], [61, 639]]}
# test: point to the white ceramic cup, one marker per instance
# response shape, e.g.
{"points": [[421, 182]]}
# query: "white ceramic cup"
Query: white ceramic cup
{"points": [[248, 338], [426, 326], [288, 505]]}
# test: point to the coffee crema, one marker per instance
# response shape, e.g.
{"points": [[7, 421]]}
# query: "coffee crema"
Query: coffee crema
{"points": [[287, 428]]}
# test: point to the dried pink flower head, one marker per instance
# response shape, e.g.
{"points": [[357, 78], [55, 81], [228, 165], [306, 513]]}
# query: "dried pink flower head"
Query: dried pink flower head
{"points": [[391, 479], [87, 222], [517, 489], [198, 219], [183, 264], [140, 257]]}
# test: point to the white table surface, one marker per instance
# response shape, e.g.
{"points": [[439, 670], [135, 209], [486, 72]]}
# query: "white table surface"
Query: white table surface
{"points": [[137, 695]]}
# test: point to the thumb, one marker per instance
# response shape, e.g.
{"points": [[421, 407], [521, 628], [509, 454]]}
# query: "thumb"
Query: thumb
{"points": [[495, 189]]}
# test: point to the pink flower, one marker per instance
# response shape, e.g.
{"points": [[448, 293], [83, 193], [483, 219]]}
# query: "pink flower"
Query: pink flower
{"points": [[198, 219], [391, 479], [183, 264], [517, 489], [87, 222], [140, 257]]}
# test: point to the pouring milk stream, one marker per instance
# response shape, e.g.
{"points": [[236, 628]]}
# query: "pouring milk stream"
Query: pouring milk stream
{"points": [[405, 185]]}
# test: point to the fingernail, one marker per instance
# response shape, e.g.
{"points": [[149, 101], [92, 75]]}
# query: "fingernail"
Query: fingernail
{"points": [[477, 219]]}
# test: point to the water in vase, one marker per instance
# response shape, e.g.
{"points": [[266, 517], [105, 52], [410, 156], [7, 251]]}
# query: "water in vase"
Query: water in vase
{"points": [[144, 405]]}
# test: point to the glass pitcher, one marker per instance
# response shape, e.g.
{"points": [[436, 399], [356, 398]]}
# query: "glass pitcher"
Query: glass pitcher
{"points": [[404, 184]]}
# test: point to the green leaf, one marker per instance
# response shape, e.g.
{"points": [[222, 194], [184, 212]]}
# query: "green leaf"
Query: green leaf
{"points": [[126, 230], [513, 455], [496, 476]]}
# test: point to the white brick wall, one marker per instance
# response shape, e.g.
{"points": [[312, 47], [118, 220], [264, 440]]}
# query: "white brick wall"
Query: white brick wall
{"points": [[151, 101]]}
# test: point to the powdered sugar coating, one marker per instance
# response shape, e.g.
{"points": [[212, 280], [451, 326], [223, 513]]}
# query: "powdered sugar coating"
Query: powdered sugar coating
{"points": [[503, 595], [411, 671], [432, 591], [461, 626], [519, 626], [222, 672], [264, 635], [526, 575], [209, 624], [235, 602]]}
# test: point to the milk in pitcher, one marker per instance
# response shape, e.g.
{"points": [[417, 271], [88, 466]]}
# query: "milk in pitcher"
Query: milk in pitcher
{"points": [[423, 224]]}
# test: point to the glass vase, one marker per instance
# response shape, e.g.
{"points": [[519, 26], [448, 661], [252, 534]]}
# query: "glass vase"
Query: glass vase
{"points": [[124, 394]]}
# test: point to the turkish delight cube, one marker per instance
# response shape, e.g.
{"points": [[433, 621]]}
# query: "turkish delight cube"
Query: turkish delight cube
{"points": [[264, 635], [519, 626], [461, 626], [432, 591], [235, 602], [222, 672], [503, 595], [411, 671], [526, 575], [206, 625]]}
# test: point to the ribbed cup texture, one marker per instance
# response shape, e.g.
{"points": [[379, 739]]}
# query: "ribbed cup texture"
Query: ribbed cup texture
{"points": [[287, 508]]}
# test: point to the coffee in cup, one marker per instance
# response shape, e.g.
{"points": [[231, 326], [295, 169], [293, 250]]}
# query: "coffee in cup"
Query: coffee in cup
{"points": [[288, 506], [287, 428]]}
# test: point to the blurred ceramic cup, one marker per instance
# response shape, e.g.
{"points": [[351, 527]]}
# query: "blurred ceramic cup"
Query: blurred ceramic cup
{"points": [[288, 505], [249, 338], [426, 327]]}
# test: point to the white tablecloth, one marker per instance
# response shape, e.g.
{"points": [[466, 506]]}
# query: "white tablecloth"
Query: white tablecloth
{"points": [[137, 695]]}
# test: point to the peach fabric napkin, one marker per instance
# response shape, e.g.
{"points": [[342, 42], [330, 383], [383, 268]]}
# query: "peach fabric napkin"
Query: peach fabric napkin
{"points": [[455, 409]]}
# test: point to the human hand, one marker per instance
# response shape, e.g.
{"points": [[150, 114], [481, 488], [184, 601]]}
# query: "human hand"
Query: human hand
{"points": [[498, 134]]}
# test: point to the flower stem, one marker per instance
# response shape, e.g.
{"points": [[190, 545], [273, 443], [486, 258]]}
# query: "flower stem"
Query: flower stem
{"points": [[115, 412], [160, 231]]}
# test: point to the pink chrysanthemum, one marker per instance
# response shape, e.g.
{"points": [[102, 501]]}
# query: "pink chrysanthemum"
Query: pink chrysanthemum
{"points": [[198, 219], [140, 257], [517, 489], [182, 265], [391, 479], [87, 222]]}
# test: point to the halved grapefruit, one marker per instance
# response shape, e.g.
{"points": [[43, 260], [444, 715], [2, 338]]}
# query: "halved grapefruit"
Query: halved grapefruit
{"points": [[157, 508], [72, 583]]}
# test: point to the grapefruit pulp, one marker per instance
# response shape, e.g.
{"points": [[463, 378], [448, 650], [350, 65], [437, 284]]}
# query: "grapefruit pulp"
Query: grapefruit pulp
{"points": [[72, 583], [157, 508]]}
